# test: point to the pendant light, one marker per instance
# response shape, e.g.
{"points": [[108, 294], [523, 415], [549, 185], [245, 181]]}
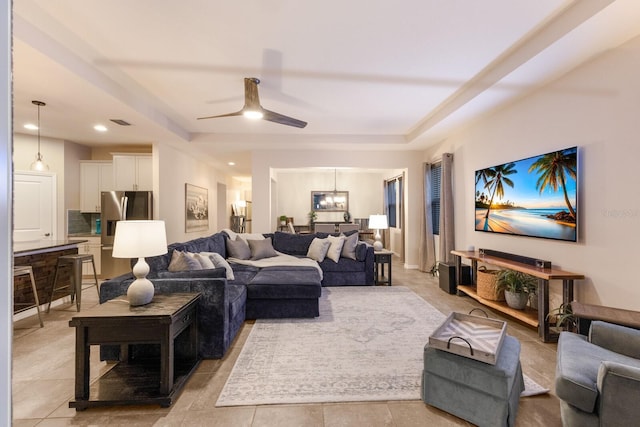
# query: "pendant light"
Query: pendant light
{"points": [[39, 164]]}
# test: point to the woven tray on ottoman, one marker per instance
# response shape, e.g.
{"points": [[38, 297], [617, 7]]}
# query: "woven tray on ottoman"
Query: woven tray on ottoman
{"points": [[487, 286]]}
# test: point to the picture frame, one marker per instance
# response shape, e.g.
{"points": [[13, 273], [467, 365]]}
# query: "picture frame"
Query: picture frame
{"points": [[196, 203]]}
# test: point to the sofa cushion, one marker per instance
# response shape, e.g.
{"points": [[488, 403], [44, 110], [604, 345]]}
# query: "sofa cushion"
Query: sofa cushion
{"points": [[285, 282], [261, 249], [349, 246], [335, 247], [292, 244], [219, 261], [318, 249], [343, 265], [204, 260], [213, 273], [181, 261], [577, 367], [243, 273], [238, 249]]}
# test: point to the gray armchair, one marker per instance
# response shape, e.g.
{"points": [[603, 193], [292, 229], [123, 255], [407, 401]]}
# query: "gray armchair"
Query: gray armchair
{"points": [[598, 377]]}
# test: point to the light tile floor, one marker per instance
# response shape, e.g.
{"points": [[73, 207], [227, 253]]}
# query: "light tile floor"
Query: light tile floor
{"points": [[43, 375]]}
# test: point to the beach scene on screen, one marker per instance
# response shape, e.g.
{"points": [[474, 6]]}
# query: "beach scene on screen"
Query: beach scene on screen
{"points": [[534, 197]]}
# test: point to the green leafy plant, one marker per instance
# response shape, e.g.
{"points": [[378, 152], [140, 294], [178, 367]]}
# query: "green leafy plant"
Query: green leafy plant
{"points": [[515, 282], [283, 218], [564, 317], [313, 215]]}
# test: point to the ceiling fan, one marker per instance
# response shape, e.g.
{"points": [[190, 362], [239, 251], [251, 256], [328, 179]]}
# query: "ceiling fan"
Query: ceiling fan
{"points": [[253, 110]]}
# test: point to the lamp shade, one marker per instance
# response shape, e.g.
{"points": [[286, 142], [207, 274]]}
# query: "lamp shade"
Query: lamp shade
{"points": [[378, 222], [138, 239]]}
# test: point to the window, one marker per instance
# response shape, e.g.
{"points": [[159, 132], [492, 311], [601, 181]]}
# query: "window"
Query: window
{"points": [[393, 200], [436, 174]]}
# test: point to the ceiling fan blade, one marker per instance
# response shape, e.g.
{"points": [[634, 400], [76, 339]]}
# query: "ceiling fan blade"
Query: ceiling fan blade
{"points": [[282, 119], [237, 113], [253, 108]]}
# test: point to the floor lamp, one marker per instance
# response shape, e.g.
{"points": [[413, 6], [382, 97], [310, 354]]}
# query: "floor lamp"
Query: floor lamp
{"points": [[378, 222]]}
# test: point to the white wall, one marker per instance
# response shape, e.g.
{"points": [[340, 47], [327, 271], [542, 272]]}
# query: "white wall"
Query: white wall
{"points": [[25, 148], [172, 170], [596, 108], [295, 187]]}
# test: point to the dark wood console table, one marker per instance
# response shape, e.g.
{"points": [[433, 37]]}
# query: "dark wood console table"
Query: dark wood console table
{"points": [[169, 321], [537, 319]]}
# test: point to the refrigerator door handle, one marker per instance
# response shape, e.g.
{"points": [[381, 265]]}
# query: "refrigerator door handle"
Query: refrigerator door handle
{"points": [[124, 201]]}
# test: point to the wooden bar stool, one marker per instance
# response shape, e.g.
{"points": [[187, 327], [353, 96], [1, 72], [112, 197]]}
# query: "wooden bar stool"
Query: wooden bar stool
{"points": [[21, 270], [75, 261]]}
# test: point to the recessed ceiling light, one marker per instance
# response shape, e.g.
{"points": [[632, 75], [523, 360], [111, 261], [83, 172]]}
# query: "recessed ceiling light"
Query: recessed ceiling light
{"points": [[100, 128], [31, 126], [231, 163]]}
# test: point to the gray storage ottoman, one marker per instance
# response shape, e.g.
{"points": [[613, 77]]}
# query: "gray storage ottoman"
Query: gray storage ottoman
{"points": [[483, 394]]}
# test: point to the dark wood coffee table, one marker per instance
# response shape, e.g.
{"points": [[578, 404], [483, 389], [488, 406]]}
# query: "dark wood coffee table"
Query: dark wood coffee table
{"points": [[168, 322]]}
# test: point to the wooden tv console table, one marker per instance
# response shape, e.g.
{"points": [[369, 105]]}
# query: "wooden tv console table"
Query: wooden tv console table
{"points": [[537, 319]]}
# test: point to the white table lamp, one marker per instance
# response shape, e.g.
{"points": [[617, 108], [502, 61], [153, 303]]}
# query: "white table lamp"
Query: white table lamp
{"points": [[378, 222], [139, 239]]}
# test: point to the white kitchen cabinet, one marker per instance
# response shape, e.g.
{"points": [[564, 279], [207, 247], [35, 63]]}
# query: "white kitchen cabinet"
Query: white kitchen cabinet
{"points": [[95, 176], [94, 247], [132, 172]]}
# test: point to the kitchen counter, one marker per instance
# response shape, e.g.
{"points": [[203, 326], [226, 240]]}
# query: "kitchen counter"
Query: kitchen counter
{"points": [[42, 255], [43, 246]]}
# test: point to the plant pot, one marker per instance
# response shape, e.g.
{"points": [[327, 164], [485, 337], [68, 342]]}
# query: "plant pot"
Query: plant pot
{"points": [[516, 300], [533, 301], [283, 222]]}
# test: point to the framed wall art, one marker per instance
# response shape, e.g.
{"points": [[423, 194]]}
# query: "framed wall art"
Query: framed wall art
{"points": [[196, 208]]}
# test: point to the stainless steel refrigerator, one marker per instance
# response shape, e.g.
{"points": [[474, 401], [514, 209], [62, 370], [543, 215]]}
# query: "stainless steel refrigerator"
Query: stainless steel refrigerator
{"points": [[117, 206]]}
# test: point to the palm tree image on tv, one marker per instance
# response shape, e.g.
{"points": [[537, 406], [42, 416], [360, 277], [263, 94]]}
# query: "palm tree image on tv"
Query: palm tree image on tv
{"points": [[534, 197]]}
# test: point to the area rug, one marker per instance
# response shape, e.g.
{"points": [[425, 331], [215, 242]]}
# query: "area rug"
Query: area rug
{"points": [[366, 345]]}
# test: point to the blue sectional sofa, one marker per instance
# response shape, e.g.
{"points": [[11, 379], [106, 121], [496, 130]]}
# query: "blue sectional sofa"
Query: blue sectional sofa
{"points": [[254, 292]]}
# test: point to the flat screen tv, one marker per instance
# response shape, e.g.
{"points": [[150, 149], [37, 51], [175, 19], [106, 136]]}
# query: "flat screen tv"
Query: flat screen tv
{"points": [[534, 197]]}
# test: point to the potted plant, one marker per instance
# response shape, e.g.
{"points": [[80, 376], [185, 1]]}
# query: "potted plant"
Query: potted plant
{"points": [[516, 286], [283, 220], [313, 215], [563, 318]]}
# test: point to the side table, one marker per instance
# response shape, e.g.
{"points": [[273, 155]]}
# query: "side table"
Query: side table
{"points": [[168, 322], [380, 259]]}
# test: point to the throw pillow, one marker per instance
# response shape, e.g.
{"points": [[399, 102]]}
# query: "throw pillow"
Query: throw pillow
{"points": [[205, 261], [349, 247], [249, 236], [219, 261], [335, 247], [238, 249], [261, 249], [318, 249], [180, 261]]}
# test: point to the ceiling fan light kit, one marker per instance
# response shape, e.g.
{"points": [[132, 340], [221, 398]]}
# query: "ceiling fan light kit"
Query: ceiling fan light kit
{"points": [[253, 110]]}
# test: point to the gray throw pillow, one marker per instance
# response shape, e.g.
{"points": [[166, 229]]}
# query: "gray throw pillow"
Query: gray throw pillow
{"points": [[318, 249], [335, 248], [180, 261], [238, 249], [205, 261], [349, 247], [219, 261], [261, 249]]}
